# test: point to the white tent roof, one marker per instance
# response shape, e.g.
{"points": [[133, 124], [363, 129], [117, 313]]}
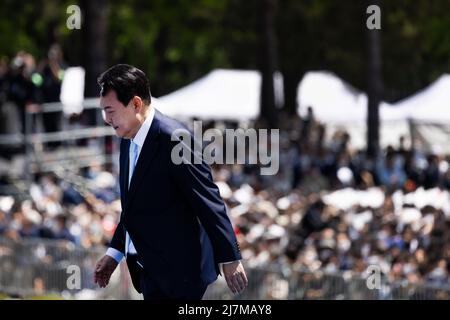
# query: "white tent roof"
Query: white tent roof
{"points": [[221, 94], [331, 99], [431, 104], [340, 106], [335, 101]]}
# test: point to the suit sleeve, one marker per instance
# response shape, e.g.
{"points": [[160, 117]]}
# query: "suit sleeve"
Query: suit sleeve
{"points": [[196, 183], [118, 239]]}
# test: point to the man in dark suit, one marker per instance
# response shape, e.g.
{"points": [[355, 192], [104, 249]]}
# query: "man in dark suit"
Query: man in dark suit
{"points": [[174, 230]]}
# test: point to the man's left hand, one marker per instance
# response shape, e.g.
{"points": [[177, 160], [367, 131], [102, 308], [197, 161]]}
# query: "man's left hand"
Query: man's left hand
{"points": [[235, 276]]}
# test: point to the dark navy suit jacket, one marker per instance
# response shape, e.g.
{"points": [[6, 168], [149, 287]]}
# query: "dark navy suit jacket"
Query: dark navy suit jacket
{"points": [[174, 215]]}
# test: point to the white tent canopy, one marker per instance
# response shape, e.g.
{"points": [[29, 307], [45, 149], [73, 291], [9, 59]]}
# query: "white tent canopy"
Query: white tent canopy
{"points": [[221, 94], [335, 101], [431, 105], [331, 99], [429, 112], [340, 106]]}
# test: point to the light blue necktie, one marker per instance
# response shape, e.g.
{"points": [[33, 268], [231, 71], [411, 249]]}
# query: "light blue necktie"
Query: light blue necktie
{"points": [[133, 155], [133, 158]]}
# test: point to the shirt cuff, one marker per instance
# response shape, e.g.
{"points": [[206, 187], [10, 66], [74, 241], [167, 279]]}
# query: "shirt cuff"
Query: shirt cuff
{"points": [[115, 254], [221, 264]]}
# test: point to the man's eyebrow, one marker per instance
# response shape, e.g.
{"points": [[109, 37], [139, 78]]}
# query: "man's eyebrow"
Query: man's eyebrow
{"points": [[107, 108]]}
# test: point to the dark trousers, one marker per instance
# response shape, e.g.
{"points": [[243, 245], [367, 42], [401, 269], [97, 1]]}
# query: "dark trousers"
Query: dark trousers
{"points": [[151, 290]]}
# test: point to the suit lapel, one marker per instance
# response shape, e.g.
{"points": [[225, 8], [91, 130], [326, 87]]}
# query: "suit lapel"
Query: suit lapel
{"points": [[145, 158], [124, 168]]}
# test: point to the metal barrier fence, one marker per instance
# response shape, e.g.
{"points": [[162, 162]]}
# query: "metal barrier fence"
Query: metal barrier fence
{"points": [[276, 284], [45, 268], [69, 155], [48, 269]]}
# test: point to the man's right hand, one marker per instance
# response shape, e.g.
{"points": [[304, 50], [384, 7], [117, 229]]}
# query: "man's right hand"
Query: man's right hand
{"points": [[104, 269]]}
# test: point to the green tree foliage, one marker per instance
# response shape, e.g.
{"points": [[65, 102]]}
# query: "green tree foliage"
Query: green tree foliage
{"points": [[178, 41]]}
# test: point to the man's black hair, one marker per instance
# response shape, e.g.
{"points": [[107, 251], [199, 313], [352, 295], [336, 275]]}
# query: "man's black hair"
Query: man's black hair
{"points": [[127, 81]]}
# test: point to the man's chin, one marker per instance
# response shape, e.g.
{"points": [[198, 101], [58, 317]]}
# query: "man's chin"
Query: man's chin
{"points": [[122, 135], [119, 134]]}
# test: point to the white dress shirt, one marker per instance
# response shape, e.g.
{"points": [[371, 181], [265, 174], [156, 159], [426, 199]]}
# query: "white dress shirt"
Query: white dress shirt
{"points": [[139, 140]]}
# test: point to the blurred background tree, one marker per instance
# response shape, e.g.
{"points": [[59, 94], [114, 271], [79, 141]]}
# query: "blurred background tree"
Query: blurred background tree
{"points": [[178, 41]]}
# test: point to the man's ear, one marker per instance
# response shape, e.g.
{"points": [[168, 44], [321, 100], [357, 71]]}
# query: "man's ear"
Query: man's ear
{"points": [[137, 103]]}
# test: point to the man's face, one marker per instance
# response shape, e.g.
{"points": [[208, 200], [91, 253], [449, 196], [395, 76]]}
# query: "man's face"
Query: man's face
{"points": [[122, 118]]}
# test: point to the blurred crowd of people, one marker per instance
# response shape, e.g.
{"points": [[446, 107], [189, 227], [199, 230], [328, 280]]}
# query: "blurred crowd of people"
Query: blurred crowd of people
{"points": [[285, 220], [58, 209], [301, 218], [25, 83]]}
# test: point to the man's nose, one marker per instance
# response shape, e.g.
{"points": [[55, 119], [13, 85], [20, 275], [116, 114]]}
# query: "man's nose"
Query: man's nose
{"points": [[107, 119]]}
